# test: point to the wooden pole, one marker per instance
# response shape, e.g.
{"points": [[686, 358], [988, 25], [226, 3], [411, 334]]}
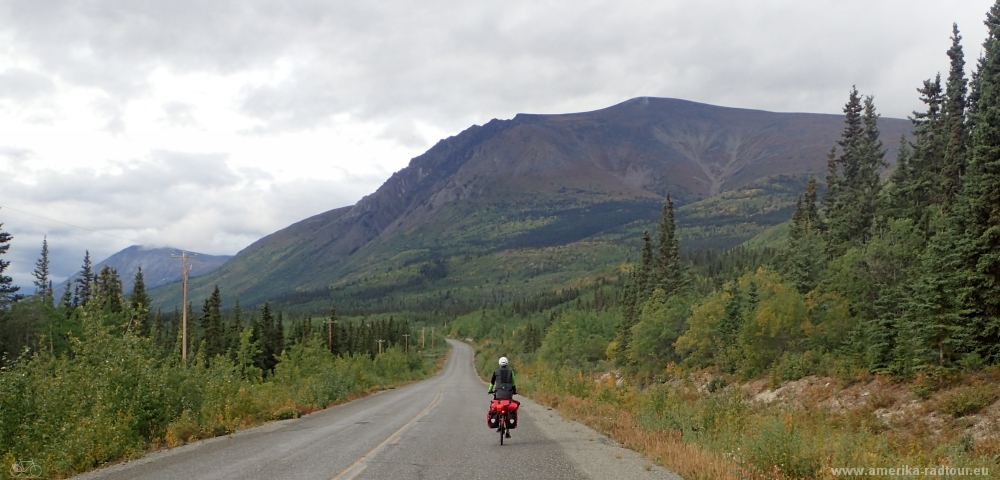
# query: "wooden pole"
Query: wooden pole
{"points": [[406, 343], [184, 310], [422, 337], [380, 346]]}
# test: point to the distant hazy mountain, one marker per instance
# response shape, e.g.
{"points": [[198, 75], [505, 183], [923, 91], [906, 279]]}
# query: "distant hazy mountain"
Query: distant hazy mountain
{"points": [[536, 202], [158, 266]]}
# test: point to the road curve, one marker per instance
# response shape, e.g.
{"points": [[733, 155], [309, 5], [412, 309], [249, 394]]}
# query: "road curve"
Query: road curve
{"points": [[435, 428]]}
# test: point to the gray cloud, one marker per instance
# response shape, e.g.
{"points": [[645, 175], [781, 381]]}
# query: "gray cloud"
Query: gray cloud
{"points": [[24, 85], [453, 63], [16, 156], [404, 133], [184, 200]]}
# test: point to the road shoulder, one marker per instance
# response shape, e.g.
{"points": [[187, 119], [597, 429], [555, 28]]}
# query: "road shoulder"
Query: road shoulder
{"points": [[592, 451]]}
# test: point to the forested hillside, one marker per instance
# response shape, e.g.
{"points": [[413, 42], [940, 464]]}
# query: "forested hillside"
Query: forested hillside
{"points": [[551, 198]]}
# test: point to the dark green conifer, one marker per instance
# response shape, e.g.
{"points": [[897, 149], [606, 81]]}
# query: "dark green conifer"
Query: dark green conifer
{"points": [[140, 303], [106, 291], [84, 282], [955, 157], [212, 328], [853, 177], [669, 273], [979, 209], [8, 291], [41, 272]]}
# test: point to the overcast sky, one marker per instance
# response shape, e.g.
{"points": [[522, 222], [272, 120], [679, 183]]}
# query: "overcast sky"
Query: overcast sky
{"points": [[205, 125]]}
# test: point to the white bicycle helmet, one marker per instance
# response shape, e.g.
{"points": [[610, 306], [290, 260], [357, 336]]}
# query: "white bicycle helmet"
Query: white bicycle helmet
{"points": [[503, 361]]}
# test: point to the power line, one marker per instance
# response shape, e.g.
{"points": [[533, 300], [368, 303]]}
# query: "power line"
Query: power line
{"points": [[65, 223]]}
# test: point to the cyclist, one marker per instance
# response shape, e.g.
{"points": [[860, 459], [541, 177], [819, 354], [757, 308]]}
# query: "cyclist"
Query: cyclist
{"points": [[502, 383]]}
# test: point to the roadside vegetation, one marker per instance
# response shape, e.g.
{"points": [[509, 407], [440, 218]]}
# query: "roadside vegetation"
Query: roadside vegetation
{"points": [[102, 382]]}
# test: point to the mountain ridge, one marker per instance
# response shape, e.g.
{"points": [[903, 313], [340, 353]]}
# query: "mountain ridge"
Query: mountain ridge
{"points": [[534, 174], [158, 266]]}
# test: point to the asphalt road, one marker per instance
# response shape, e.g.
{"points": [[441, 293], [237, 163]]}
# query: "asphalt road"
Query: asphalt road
{"points": [[435, 428]]}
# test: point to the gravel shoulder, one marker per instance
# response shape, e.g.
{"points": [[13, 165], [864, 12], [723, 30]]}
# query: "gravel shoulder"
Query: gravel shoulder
{"points": [[592, 451]]}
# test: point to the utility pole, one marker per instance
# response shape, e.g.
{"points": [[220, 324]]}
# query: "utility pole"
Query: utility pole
{"points": [[406, 343], [432, 338], [380, 346], [184, 310], [422, 337]]}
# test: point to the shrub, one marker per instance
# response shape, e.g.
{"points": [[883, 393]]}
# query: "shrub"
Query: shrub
{"points": [[967, 400]]}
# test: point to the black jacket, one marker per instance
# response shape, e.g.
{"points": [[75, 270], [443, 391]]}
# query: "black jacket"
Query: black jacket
{"points": [[502, 384]]}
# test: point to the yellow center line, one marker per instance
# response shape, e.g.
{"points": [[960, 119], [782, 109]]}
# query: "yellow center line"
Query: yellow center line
{"points": [[360, 464]]}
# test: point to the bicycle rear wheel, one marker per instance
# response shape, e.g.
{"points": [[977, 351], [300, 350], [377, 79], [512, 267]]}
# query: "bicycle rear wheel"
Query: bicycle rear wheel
{"points": [[503, 427]]}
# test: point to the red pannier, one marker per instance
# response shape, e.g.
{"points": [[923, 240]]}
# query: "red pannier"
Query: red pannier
{"points": [[501, 406]]}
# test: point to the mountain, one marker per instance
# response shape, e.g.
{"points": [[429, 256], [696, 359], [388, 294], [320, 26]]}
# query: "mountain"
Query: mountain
{"points": [[159, 267], [538, 202]]}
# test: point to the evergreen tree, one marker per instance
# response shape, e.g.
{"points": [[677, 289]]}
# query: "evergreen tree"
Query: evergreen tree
{"points": [[853, 177], [979, 209], [41, 272], [8, 291], [728, 331], [159, 328], [106, 290], [669, 273], [335, 332], [140, 303], [803, 259], [630, 314], [279, 334], [66, 302], [84, 281], [236, 329], [269, 339], [954, 165], [213, 330]]}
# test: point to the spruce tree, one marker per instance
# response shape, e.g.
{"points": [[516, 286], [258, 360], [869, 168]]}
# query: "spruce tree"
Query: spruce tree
{"points": [[269, 342], [158, 330], [954, 164], [236, 328], [213, 330], [41, 272], [669, 273], [980, 210], [84, 281], [107, 290], [279, 334], [140, 303], [803, 259], [8, 291], [629, 318], [728, 331], [66, 302], [337, 336], [853, 177]]}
